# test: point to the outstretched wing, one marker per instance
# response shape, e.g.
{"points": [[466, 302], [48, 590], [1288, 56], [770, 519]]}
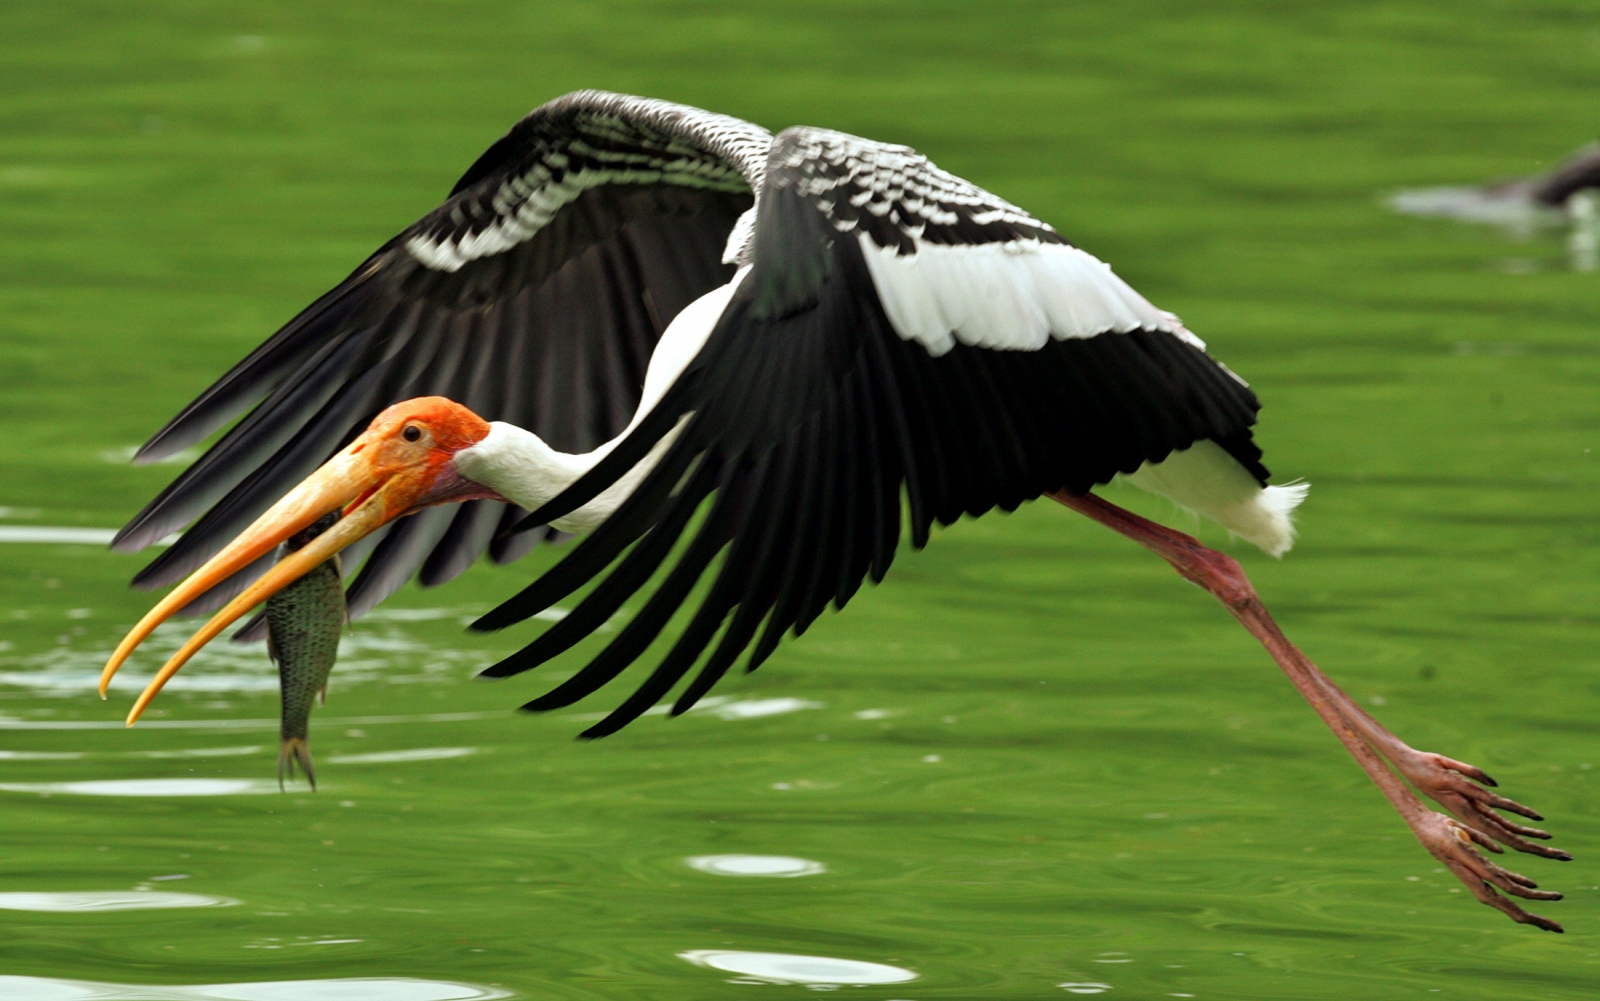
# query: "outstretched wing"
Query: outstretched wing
{"points": [[535, 295], [900, 330]]}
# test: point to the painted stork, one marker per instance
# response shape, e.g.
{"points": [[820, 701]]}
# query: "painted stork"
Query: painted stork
{"points": [[1520, 203], [630, 311]]}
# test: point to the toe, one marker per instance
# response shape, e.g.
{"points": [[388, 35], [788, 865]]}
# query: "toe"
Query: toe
{"points": [[1470, 771], [1508, 805]]}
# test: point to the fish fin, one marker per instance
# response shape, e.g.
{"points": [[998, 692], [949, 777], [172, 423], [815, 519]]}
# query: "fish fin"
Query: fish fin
{"points": [[344, 602], [322, 695], [272, 647], [290, 751], [254, 630]]}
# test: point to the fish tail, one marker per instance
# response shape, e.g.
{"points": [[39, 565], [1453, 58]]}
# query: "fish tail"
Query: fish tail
{"points": [[290, 751]]}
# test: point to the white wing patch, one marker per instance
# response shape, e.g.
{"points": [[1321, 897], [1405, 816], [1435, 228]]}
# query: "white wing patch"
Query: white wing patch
{"points": [[1007, 296]]}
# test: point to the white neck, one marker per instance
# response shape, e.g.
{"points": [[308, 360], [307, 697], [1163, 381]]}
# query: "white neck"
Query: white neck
{"points": [[520, 467]]}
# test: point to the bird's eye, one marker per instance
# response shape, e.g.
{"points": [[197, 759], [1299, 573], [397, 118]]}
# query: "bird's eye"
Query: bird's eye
{"points": [[412, 433]]}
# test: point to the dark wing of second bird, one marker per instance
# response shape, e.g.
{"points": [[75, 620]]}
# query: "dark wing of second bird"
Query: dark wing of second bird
{"points": [[812, 414]]}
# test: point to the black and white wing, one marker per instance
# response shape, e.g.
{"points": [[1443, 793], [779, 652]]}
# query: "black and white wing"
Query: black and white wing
{"points": [[900, 330], [535, 295]]}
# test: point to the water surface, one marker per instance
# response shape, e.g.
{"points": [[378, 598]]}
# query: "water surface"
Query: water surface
{"points": [[1034, 764]]}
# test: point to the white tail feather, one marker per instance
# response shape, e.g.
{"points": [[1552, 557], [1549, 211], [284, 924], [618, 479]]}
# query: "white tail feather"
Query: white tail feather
{"points": [[1208, 481]]}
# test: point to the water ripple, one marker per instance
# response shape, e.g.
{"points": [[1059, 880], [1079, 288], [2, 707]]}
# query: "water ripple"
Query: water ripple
{"points": [[784, 968], [352, 989], [411, 754], [7, 723], [366, 655], [148, 787], [96, 901], [755, 865]]}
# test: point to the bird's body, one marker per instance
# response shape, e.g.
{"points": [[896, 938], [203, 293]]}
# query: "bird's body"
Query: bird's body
{"points": [[1203, 478], [630, 313]]}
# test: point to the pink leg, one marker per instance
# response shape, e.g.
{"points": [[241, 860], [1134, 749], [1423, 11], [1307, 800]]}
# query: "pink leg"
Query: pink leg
{"points": [[1443, 779]]}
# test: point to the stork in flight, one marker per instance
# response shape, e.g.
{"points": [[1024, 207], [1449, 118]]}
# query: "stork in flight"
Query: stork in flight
{"points": [[630, 311]]}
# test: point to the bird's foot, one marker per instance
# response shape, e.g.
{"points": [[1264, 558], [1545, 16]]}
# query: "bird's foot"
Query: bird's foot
{"points": [[1456, 786], [1456, 845]]}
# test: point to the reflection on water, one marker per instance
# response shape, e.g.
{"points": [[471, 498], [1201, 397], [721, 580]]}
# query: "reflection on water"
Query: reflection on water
{"points": [[757, 708], [368, 654], [57, 534], [64, 534], [413, 614], [783, 968], [7, 723], [353, 989], [63, 679], [1512, 209], [412, 754], [92, 901], [199, 752], [1084, 988], [723, 707], [148, 787], [755, 865], [1583, 243], [39, 755]]}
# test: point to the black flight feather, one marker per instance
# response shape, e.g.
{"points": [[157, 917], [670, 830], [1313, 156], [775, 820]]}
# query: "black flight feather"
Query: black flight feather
{"points": [[819, 414]]}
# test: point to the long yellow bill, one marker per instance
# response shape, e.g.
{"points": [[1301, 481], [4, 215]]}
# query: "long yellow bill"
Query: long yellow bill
{"points": [[393, 468], [344, 477]]}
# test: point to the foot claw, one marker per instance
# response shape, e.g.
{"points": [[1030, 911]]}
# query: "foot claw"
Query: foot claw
{"points": [[1508, 834], [1445, 781], [1501, 803], [1470, 771], [1495, 826], [1453, 843]]}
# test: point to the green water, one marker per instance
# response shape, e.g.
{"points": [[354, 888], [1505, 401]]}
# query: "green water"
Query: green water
{"points": [[1034, 757]]}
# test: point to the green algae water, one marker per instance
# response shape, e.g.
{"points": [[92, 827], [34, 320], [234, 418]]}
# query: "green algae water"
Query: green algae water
{"points": [[1034, 764]]}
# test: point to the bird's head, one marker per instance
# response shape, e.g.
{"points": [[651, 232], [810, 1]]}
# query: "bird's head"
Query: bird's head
{"points": [[406, 456], [403, 462]]}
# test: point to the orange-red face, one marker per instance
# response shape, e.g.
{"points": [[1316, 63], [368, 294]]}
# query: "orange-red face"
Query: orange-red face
{"points": [[411, 445], [402, 462]]}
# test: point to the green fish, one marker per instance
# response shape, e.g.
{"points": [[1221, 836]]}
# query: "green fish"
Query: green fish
{"points": [[304, 621]]}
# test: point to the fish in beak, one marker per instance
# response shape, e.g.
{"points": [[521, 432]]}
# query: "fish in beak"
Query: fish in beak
{"points": [[304, 622], [403, 462]]}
